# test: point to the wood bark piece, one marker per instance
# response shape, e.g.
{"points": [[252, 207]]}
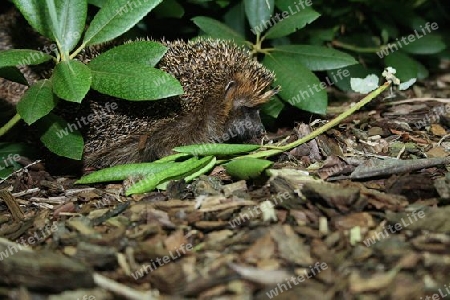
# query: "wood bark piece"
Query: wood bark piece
{"points": [[42, 270], [13, 207]]}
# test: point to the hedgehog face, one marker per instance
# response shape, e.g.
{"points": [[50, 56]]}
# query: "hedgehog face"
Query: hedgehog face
{"points": [[244, 124], [243, 97]]}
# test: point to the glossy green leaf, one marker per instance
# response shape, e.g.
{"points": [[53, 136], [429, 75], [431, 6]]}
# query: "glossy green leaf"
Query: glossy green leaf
{"points": [[11, 148], [37, 102], [405, 65], [273, 107], [53, 20], [132, 81], [293, 6], [176, 171], [22, 57], [71, 21], [428, 44], [140, 52], [172, 157], [216, 149], [122, 172], [258, 11], [235, 18], [169, 9], [341, 78], [316, 58], [71, 80], [246, 168], [5, 171], [218, 30], [201, 171], [299, 86], [60, 138], [292, 23], [10, 154], [115, 18], [13, 74], [98, 3], [35, 13]]}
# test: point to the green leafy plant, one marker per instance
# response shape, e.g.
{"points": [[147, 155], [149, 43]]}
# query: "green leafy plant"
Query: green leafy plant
{"points": [[126, 71], [409, 36], [240, 161], [271, 22]]}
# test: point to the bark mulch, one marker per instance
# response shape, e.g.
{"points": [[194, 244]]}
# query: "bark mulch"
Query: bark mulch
{"points": [[359, 213]]}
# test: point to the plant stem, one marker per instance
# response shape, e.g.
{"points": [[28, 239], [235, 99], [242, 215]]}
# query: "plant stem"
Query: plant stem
{"points": [[78, 50], [256, 48], [324, 128], [10, 124], [356, 48]]}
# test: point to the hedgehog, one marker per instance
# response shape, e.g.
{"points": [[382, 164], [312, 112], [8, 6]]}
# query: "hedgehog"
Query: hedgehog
{"points": [[224, 88]]}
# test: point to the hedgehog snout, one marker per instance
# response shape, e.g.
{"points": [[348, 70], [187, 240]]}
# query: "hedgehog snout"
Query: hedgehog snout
{"points": [[245, 124]]}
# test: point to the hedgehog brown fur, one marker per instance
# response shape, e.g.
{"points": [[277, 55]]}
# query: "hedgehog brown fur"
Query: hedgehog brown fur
{"points": [[224, 88]]}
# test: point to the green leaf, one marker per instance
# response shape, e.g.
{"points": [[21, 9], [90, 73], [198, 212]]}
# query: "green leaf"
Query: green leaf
{"points": [[258, 11], [317, 58], [172, 157], [273, 107], [60, 138], [169, 9], [35, 13], [405, 65], [246, 168], [18, 148], [422, 71], [216, 149], [115, 18], [386, 26], [341, 78], [71, 80], [6, 171], [218, 30], [123, 172], [22, 57], [140, 52], [201, 171], [53, 20], [235, 18], [176, 171], [37, 102], [321, 36], [9, 156], [292, 23], [293, 6], [72, 19], [299, 86], [428, 44], [132, 81], [13, 74], [98, 3]]}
